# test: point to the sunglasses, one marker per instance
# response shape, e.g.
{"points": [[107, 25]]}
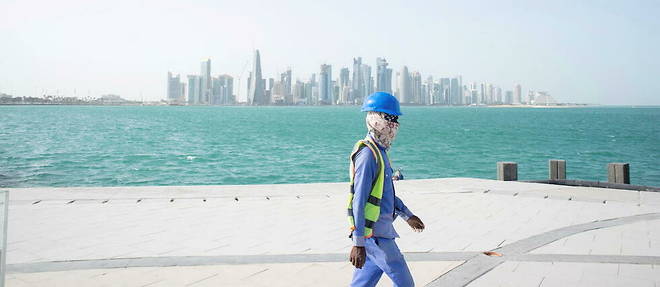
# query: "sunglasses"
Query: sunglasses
{"points": [[391, 118]]}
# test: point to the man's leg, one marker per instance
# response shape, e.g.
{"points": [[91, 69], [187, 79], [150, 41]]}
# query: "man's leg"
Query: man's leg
{"points": [[391, 261], [370, 273]]}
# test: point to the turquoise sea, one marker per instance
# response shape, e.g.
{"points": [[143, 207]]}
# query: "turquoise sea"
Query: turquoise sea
{"points": [[148, 145]]}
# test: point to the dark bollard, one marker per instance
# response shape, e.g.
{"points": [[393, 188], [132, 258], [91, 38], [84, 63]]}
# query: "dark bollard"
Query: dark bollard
{"points": [[618, 172], [556, 169], [507, 171]]}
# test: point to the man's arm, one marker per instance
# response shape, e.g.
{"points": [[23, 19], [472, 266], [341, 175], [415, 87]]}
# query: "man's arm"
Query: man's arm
{"points": [[365, 172], [402, 210]]}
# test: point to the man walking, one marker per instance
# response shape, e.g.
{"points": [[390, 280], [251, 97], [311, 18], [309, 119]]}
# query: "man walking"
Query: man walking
{"points": [[373, 205]]}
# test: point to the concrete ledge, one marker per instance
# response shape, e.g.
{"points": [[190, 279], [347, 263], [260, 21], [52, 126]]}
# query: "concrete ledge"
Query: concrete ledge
{"points": [[601, 184]]}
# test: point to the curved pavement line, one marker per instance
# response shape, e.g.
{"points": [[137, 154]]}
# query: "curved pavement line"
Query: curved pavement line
{"points": [[481, 264], [615, 259], [215, 260], [302, 258]]}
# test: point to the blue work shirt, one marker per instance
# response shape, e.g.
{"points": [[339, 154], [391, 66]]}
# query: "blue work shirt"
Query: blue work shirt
{"points": [[366, 170]]}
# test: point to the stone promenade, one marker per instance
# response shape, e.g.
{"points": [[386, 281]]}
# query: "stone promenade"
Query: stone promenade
{"points": [[296, 235]]}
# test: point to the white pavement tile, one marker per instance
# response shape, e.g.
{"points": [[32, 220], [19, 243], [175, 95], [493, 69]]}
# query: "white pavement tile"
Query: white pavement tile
{"points": [[566, 274], [629, 239], [310, 219], [271, 275]]}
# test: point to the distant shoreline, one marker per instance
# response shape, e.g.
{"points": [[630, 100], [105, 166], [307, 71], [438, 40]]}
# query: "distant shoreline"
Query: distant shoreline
{"points": [[344, 105], [546, 106]]}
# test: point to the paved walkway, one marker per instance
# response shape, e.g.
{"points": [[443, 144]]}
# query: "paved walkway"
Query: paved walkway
{"points": [[295, 235]]}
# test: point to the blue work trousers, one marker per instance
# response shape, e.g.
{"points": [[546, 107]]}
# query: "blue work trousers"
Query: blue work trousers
{"points": [[383, 255]]}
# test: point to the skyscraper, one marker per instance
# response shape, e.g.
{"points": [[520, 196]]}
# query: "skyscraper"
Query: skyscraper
{"points": [[455, 90], [277, 93], [482, 94], [344, 85], [270, 84], [445, 91], [416, 83], [325, 85], [474, 94], [249, 84], [194, 89], [428, 93], [405, 86], [383, 77], [175, 89], [517, 95], [314, 84], [368, 82], [508, 98], [397, 87], [436, 94], [358, 80], [183, 93], [256, 93], [216, 97], [467, 94], [335, 92], [228, 82], [223, 89], [205, 82], [299, 92], [285, 79], [490, 92], [363, 82]]}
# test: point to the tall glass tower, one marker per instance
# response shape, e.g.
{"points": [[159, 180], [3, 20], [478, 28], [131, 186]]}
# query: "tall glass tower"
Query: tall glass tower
{"points": [[517, 95], [193, 89], [358, 80], [405, 86], [325, 85], [256, 94], [383, 77], [344, 85], [206, 83]]}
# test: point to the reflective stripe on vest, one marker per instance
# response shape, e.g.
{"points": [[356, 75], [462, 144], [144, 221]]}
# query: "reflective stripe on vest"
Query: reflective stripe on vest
{"points": [[372, 207]]}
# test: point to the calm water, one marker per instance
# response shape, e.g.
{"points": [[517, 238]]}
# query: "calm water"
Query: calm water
{"points": [[114, 146]]}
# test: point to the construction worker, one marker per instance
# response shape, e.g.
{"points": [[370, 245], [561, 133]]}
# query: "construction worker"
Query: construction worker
{"points": [[373, 205]]}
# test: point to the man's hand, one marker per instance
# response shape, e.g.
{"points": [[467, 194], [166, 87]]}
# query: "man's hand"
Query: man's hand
{"points": [[416, 223], [358, 256]]}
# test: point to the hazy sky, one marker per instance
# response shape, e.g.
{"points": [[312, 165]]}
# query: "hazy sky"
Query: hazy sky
{"points": [[580, 51]]}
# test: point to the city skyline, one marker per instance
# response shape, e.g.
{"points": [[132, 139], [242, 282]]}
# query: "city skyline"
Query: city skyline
{"points": [[322, 89], [587, 52]]}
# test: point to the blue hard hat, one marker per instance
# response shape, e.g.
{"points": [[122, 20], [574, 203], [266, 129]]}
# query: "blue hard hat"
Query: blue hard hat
{"points": [[382, 102]]}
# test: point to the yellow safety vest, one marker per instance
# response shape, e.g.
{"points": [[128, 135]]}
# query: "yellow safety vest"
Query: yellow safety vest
{"points": [[372, 207]]}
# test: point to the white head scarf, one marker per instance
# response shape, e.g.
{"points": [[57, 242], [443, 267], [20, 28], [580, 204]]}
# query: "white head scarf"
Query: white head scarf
{"points": [[380, 129]]}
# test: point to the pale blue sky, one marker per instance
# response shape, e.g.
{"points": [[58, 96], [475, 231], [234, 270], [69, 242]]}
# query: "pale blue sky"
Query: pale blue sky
{"points": [[579, 51]]}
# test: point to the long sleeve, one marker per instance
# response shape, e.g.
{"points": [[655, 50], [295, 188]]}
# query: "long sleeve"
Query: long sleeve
{"points": [[365, 172], [401, 209]]}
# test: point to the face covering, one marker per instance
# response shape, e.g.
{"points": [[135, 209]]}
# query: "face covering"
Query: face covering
{"points": [[382, 130]]}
